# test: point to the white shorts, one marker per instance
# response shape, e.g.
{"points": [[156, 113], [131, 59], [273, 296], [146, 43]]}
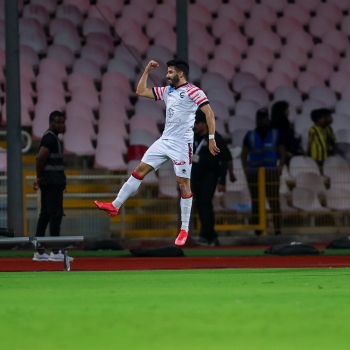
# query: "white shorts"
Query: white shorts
{"points": [[180, 153]]}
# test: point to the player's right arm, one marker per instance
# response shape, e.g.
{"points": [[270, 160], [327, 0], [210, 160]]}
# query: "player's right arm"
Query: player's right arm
{"points": [[142, 89]]}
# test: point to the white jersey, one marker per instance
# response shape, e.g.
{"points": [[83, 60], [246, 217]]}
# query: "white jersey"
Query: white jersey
{"points": [[181, 105]]}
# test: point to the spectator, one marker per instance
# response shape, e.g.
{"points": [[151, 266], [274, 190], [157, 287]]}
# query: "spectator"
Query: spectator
{"points": [[317, 143], [51, 180], [208, 173], [263, 147], [280, 121], [330, 136]]}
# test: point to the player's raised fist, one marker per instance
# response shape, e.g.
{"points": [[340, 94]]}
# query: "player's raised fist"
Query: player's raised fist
{"points": [[152, 65]]}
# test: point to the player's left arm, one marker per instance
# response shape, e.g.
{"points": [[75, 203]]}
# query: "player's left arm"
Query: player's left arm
{"points": [[209, 114]]}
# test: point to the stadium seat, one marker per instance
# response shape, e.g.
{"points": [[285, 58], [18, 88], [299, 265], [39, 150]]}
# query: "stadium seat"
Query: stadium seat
{"points": [[26, 70], [195, 71], [121, 66], [231, 11], [294, 53], [44, 80], [27, 54], [323, 94], [37, 12], [299, 164], [319, 26], [340, 121], [110, 110], [254, 25], [277, 6], [78, 80], [210, 80], [102, 40], [301, 39], [117, 94], [287, 66], [80, 110], [220, 110], [344, 65], [247, 108], [130, 54], [82, 5], [261, 54], [307, 80], [58, 24], [337, 39], [71, 13], [263, 11], [345, 25], [235, 39], [198, 12], [276, 79], [309, 105], [87, 67], [88, 96], [310, 5], [102, 12], [222, 67], [61, 53], [342, 106], [289, 94], [95, 25], [152, 109], [338, 81], [197, 54], [228, 53], [212, 6], [338, 199], [286, 25], [147, 5], [156, 25], [112, 130], [135, 12], [257, 94], [166, 11], [34, 40], [223, 95], [238, 136], [66, 38], [320, 66], [240, 122], [29, 25], [345, 93], [255, 67], [241, 80], [96, 54], [342, 135], [298, 12], [269, 39], [53, 67], [326, 52], [306, 200], [115, 5], [330, 11], [116, 79], [221, 26], [51, 93], [143, 121], [109, 157], [142, 137], [312, 181], [49, 5]]}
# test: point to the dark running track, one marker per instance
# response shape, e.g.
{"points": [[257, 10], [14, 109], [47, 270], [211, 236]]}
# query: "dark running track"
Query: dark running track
{"points": [[181, 263]]}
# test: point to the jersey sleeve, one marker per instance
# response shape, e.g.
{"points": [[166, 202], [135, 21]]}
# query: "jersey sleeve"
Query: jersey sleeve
{"points": [[49, 142], [159, 93], [198, 96]]}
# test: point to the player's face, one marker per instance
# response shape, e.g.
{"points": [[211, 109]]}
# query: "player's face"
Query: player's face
{"points": [[58, 125], [173, 76]]}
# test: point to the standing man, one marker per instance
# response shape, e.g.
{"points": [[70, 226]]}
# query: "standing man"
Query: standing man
{"points": [[263, 147], [208, 173], [51, 180], [182, 100]]}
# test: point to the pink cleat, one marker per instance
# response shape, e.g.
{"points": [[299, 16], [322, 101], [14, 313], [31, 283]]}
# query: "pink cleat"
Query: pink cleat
{"points": [[181, 238], [107, 207]]}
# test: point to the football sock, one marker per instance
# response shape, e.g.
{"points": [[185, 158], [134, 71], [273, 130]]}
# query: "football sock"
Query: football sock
{"points": [[185, 205], [128, 189]]}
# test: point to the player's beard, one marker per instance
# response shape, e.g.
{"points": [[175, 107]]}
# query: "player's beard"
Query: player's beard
{"points": [[173, 82]]}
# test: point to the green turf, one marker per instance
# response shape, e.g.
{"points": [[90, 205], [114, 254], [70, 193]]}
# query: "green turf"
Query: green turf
{"points": [[187, 252], [194, 309]]}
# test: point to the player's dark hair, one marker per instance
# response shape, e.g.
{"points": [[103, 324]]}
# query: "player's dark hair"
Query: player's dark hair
{"points": [[180, 66], [262, 113], [54, 115], [325, 111], [316, 114]]}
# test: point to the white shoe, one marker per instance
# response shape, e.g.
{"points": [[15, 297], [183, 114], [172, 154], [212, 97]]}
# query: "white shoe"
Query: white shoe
{"points": [[41, 257], [58, 257]]}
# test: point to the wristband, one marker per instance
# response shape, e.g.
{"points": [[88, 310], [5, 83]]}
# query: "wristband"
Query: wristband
{"points": [[211, 136]]}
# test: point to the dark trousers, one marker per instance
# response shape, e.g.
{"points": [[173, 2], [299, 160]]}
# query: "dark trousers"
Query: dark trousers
{"points": [[203, 190], [272, 194], [51, 210]]}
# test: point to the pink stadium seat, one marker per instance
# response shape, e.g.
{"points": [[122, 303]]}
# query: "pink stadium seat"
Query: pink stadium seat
{"points": [[298, 12], [329, 10], [158, 53], [30, 25], [324, 94], [294, 53], [143, 121], [240, 122], [78, 80], [151, 109], [167, 181], [2, 58], [96, 54], [319, 26], [115, 5], [339, 80], [195, 71], [257, 94], [247, 108], [156, 25], [203, 40], [306, 108], [307, 80], [49, 5], [337, 39], [53, 67], [87, 67], [269, 39], [343, 135], [111, 138], [123, 25], [250, 65], [261, 54], [139, 40], [231, 11], [26, 70], [80, 110], [147, 5], [59, 24], [223, 95], [286, 25], [166, 11], [342, 4], [301, 39], [142, 137], [345, 25], [212, 6], [198, 54], [235, 39], [338, 199], [287, 66], [306, 200], [254, 25], [61, 53], [342, 106], [45, 79], [37, 12], [277, 6], [109, 157], [334, 163], [238, 136], [245, 6], [82, 5], [241, 80], [200, 13], [221, 26], [340, 122], [115, 79], [276, 79], [111, 128], [102, 40], [102, 12], [86, 95], [310, 5], [28, 55], [110, 110], [221, 129], [326, 52], [34, 40], [51, 93], [289, 94], [95, 25], [228, 53], [71, 13], [301, 164], [133, 11], [345, 93], [117, 94], [222, 67], [220, 110], [312, 181], [211, 80], [27, 106], [265, 12], [66, 38], [130, 54], [320, 66]]}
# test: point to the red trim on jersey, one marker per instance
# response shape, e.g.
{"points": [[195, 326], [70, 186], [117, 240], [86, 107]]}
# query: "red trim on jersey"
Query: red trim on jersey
{"points": [[193, 91], [201, 101], [181, 85], [138, 177], [186, 197]]}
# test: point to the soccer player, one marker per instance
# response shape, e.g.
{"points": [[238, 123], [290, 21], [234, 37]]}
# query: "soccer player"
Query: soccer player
{"points": [[182, 99]]}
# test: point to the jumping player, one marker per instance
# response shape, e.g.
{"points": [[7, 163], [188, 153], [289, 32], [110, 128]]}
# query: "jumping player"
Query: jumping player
{"points": [[182, 99]]}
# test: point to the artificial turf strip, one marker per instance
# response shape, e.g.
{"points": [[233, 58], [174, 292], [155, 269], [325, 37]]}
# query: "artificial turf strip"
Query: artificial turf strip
{"points": [[187, 252], [193, 309]]}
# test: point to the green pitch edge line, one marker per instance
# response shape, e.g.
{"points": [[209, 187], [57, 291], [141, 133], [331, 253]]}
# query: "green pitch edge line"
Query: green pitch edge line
{"points": [[187, 252]]}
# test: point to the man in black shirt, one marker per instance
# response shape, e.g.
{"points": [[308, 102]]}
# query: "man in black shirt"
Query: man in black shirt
{"points": [[208, 173], [51, 180]]}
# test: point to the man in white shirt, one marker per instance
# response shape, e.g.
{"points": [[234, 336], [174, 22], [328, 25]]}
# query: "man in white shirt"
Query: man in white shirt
{"points": [[182, 99]]}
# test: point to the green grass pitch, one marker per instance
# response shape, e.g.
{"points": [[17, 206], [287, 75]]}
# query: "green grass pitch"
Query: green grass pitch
{"points": [[192, 309]]}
